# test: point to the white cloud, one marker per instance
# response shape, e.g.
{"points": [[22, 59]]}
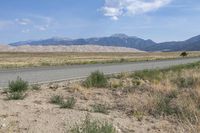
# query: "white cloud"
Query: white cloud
{"points": [[117, 8], [42, 23], [26, 31], [112, 12], [34, 22], [23, 21], [42, 27]]}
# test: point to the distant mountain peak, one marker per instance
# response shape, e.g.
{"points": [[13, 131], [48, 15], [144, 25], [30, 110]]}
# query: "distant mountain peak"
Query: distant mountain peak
{"points": [[60, 38], [194, 39], [120, 35]]}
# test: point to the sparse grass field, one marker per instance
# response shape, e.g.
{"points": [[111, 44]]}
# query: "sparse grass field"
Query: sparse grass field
{"points": [[12, 59], [154, 101]]}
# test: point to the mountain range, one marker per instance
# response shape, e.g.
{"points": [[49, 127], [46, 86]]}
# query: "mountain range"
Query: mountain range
{"points": [[120, 40]]}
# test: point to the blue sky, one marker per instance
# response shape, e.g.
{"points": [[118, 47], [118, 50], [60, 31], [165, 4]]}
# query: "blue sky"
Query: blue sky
{"points": [[160, 20]]}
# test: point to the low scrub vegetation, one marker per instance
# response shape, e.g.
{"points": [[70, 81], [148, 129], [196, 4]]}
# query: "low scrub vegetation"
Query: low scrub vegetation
{"points": [[56, 99], [18, 85], [16, 96], [89, 126], [159, 74], [70, 103], [100, 108], [182, 104], [35, 87], [148, 75], [186, 82], [59, 100], [172, 93], [16, 89], [96, 79]]}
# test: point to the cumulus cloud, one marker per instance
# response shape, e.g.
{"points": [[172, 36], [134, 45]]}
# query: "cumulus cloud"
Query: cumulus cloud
{"points": [[117, 8]]}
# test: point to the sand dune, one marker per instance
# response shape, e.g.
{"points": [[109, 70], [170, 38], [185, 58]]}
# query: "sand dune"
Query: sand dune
{"points": [[60, 48]]}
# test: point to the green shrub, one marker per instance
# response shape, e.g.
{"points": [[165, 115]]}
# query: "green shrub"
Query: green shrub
{"points": [[184, 54], [96, 79], [16, 89], [18, 85], [123, 60], [94, 127], [16, 96], [100, 108], [70, 103], [59, 100], [56, 99]]}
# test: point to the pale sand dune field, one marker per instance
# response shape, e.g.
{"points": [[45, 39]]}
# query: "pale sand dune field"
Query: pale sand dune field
{"points": [[72, 48]]}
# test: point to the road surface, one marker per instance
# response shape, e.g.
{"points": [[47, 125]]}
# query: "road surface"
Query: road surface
{"points": [[61, 73]]}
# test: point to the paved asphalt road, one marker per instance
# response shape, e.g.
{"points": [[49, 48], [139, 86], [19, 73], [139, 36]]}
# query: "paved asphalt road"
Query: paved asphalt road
{"points": [[51, 74]]}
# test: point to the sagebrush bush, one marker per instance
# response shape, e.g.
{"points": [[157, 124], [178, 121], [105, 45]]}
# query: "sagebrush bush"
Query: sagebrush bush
{"points": [[16, 96], [70, 103], [56, 99], [59, 100], [96, 79], [89, 126], [100, 108], [16, 89], [18, 85]]}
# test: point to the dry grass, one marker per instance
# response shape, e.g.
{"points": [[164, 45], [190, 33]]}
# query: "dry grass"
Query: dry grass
{"points": [[170, 93], [12, 59]]}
